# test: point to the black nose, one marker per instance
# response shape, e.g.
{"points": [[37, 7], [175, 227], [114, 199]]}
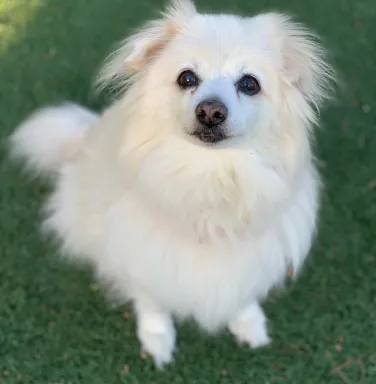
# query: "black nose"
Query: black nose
{"points": [[211, 112]]}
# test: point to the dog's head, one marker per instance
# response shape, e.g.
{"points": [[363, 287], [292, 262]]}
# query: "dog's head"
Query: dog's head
{"points": [[221, 79], [219, 107]]}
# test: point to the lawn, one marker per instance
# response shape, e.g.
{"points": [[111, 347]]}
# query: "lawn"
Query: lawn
{"points": [[55, 327]]}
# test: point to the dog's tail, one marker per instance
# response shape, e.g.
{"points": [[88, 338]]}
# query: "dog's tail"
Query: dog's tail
{"points": [[51, 136]]}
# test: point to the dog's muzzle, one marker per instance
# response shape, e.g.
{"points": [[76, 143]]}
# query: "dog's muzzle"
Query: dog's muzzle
{"points": [[211, 115]]}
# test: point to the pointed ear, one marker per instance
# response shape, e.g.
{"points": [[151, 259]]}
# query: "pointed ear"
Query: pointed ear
{"points": [[135, 52], [302, 59]]}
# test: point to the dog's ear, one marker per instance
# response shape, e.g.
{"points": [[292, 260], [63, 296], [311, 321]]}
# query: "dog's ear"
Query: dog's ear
{"points": [[302, 59], [135, 52]]}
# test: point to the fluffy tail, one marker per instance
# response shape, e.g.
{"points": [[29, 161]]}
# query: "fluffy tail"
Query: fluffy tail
{"points": [[51, 137]]}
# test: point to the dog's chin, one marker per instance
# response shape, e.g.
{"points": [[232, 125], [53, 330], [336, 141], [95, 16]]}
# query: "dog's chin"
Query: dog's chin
{"points": [[210, 135]]}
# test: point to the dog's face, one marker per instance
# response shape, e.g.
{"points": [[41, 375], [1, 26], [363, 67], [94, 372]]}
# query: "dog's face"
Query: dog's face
{"points": [[219, 93], [220, 80]]}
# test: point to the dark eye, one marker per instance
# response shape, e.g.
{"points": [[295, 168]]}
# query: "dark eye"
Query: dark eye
{"points": [[248, 85], [187, 79]]}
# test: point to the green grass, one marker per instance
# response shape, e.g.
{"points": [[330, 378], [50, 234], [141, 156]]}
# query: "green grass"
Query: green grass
{"points": [[55, 328]]}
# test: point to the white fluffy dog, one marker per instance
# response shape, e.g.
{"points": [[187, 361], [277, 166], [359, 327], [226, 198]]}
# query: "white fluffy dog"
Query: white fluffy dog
{"points": [[193, 194]]}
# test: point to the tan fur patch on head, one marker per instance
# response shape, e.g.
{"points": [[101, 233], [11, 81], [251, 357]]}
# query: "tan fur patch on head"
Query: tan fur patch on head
{"points": [[139, 49], [302, 58]]}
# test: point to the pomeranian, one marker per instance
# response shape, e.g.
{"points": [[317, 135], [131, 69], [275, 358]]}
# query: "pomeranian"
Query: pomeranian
{"points": [[196, 191]]}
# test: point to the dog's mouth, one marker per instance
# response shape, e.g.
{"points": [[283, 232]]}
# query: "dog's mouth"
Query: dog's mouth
{"points": [[210, 135]]}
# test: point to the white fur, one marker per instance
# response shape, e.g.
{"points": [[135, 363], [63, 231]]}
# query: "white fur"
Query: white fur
{"points": [[249, 326], [51, 136], [180, 228]]}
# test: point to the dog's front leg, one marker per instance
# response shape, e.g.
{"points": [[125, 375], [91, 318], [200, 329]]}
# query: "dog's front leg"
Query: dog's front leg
{"points": [[250, 326], [155, 330]]}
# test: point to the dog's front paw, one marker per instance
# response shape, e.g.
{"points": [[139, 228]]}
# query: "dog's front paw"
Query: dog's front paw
{"points": [[159, 345], [156, 333], [250, 327]]}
